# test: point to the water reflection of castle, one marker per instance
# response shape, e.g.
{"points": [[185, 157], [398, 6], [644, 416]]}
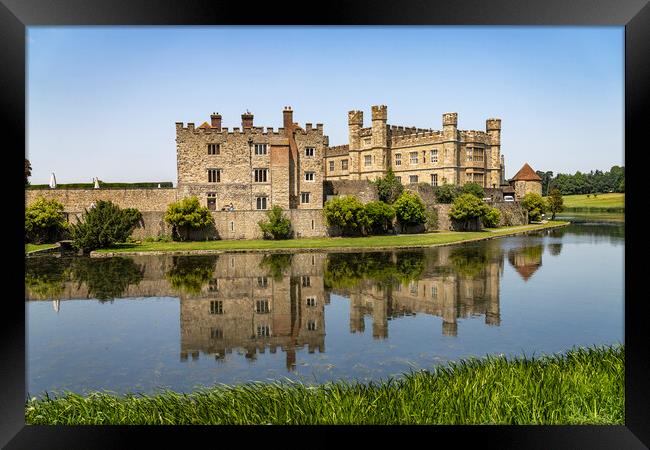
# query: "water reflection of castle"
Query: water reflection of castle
{"points": [[252, 303]]}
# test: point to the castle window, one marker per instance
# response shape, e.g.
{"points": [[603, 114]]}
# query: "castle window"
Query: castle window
{"points": [[304, 197], [434, 155], [214, 175], [216, 333], [309, 151], [367, 160], [214, 149], [306, 281], [398, 159], [413, 285], [414, 157], [216, 307], [469, 153], [331, 166], [262, 282], [311, 301], [434, 291], [212, 201], [311, 326], [312, 226], [413, 179], [261, 175], [263, 331], [479, 154], [344, 164], [261, 202], [262, 306], [232, 226], [260, 149], [213, 285], [434, 179], [309, 176]]}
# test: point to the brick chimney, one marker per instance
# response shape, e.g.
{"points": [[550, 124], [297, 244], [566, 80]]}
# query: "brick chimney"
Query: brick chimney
{"points": [[215, 121], [287, 118], [247, 120]]}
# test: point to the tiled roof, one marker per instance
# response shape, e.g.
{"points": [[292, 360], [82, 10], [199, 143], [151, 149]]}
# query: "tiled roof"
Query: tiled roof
{"points": [[526, 173]]}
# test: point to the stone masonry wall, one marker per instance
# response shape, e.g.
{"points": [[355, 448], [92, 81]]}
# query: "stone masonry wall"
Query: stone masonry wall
{"points": [[363, 190], [76, 200]]}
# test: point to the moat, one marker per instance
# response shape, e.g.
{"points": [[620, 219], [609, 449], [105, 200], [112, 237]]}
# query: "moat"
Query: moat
{"points": [[142, 323]]}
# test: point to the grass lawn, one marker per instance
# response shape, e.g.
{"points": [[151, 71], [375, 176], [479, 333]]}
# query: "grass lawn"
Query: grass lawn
{"points": [[602, 201], [404, 240], [32, 247], [583, 386]]}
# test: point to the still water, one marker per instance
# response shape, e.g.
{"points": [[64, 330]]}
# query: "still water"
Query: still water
{"points": [[140, 324]]}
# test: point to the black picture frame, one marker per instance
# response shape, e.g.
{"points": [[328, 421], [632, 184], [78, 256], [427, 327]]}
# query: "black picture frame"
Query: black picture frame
{"points": [[16, 15]]}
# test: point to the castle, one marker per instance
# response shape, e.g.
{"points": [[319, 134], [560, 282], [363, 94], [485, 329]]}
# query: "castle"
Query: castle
{"points": [[241, 173]]}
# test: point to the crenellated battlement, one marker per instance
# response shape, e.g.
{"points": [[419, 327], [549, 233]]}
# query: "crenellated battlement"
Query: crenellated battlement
{"points": [[268, 131], [400, 131], [474, 136], [337, 150]]}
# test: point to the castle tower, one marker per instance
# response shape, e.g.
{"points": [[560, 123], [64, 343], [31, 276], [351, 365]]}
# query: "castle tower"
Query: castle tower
{"points": [[380, 133], [450, 145], [493, 175], [355, 123]]}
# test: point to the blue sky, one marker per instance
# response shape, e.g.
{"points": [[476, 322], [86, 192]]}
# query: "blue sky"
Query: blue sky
{"points": [[102, 101]]}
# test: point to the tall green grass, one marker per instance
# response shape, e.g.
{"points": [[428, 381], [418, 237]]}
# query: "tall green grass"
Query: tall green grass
{"points": [[583, 386]]}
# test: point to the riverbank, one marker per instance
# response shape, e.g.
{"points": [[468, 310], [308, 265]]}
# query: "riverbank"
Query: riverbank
{"points": [[611, 202], [404, 241], [582, 386], [37, 248]]}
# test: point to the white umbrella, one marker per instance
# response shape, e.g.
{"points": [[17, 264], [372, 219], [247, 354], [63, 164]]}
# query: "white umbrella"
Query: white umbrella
{"points": [[96, 183], [52, 181]]}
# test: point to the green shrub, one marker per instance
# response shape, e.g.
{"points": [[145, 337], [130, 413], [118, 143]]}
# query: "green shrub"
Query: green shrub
{"points": [[277, 226], [492, 218], [347, 213], [389, 188], [106, 278], [44, 221], [380, 216], [446, 193], [535, 205], [409, 209], [185, 215], [467, 208], [431, 222], [190, 273], [473, 188], [103, 225], [556, 203]]}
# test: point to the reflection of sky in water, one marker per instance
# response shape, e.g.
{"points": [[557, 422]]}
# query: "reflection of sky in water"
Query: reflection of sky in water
{"points": [[572, 294]]}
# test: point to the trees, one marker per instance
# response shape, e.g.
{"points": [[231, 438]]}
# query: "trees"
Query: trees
{"points": [[555, 202], [347, 213], [473, 188], [103, 225], [277, 226], [28, 171], [44, 221], [380, 216], [409, 209], [468, 208], [585, 183], [446, 193], [491, 218], [185, 215], [546, 180], [389, 188], [535, 205]]}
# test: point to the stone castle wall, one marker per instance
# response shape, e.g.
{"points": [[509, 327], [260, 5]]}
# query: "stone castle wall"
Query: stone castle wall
{"points": [[76, 200]]}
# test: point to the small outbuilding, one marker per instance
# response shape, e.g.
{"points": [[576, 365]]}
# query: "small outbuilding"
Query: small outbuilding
{"points": [[525, 181]]}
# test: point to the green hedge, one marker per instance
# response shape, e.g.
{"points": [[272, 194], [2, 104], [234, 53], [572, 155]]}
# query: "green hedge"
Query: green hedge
{"points": [[102, 185]]}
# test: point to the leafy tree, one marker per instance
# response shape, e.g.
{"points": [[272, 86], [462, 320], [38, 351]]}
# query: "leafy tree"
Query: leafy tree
{"points": [[277, 226], [431, 222], [555, 203], [276, 264], [380, 216], [103, 225], [492, 218], [347, 213], [189, 273], [475, 189], [535, 205], [409, 209], [447, 193], [467, 208], [185, 215], [28, 171], [44, 221], [106, 278], [389, 188]]}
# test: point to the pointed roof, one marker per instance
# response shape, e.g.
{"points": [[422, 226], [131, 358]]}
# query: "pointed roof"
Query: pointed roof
{"points": [[526, 173], [205, 125]]}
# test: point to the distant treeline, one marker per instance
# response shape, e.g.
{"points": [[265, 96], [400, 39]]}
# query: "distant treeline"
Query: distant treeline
{"points": [[595, 181], [102, 185]]}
